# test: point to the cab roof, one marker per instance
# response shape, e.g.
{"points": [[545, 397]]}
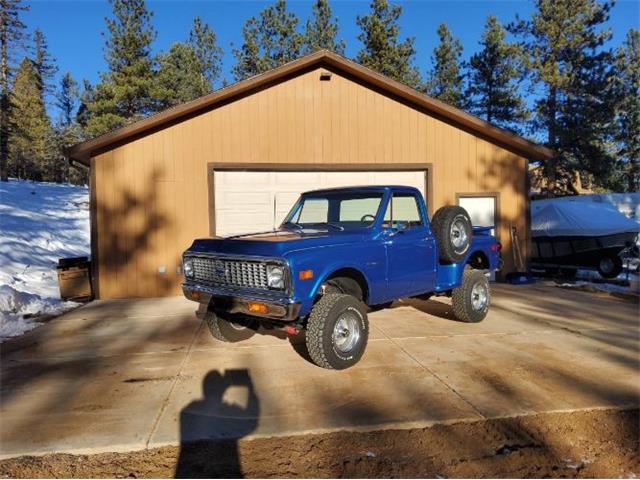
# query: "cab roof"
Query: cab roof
{"points": [[365, 188]]}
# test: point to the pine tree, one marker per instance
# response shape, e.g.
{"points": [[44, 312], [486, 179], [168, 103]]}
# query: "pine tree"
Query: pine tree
{"points": [[382, 50], [180, 76], [204, 42], [445, 79], [627, 88], [494, 78], [68, 99], [269, 41], [67, 131], [30, 147], [322, 30], [86, 99], [562, 47], [11, 37], [125, 93], [45, 64]]}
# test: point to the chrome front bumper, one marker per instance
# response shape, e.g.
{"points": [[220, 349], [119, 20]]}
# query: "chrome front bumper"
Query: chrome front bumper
{"points": [[280, 306]]}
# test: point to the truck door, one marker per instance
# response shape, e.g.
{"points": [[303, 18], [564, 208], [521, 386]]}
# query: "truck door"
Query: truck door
{"points": [[410, 247]]}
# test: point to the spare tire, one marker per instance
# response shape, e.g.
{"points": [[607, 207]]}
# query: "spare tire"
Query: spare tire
{"points": [[451, 226]]}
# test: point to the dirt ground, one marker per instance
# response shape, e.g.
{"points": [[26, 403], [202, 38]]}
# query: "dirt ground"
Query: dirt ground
{"points": [[596, 443]]}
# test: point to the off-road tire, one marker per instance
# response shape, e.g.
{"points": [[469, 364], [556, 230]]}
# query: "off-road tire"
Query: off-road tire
{"points": [[226, 331], [461, 298], [616, 266], [320, 328], [441, 224]]}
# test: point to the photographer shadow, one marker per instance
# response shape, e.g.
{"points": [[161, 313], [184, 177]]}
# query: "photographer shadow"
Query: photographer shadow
{"points": [[211, 427]]}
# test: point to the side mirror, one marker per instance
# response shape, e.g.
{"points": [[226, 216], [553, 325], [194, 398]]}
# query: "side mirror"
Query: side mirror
{"points": [[398, 228]]}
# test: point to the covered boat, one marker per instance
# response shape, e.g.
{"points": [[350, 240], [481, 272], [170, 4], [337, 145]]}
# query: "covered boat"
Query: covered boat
{"points": [[569, 235]]}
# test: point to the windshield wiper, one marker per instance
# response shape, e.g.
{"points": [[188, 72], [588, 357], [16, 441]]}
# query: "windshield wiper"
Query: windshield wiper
{"points": [[296, 225]]}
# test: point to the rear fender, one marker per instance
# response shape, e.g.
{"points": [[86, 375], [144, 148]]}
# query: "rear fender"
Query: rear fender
{"points": [[450, 275]]}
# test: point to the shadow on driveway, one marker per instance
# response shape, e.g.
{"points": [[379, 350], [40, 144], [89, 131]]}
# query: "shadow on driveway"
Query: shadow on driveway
{"points": [[228, 410]]}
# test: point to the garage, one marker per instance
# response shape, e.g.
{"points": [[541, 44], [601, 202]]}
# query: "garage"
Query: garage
{"points": [[235, 160]]}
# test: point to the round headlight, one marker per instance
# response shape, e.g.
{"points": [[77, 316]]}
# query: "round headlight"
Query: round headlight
{"points": [[187, 267], [275, 277]]}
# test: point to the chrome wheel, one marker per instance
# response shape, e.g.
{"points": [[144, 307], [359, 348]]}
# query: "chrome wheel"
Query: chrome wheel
{"points": [[346, 332], [459, 236], [479, 296]]}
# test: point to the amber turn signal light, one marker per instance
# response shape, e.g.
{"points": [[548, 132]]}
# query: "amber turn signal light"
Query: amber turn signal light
{"points": [[195, 296], [305, 274], [257, 307]]}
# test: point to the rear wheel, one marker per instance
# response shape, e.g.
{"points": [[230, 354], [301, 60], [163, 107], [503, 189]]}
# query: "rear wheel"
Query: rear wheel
{"points": [[470, 301], [232, 330], [337, 331], [452, 227], [610, 266]]}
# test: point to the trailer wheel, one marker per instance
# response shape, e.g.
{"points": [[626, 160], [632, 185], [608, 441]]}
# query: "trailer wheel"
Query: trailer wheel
{"points": [[337, 331], [470, 301], [610, 266], [227, 330], [452, 227]]}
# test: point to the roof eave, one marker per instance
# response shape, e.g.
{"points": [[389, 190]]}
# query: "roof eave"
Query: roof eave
{"points": [[82, 152]]}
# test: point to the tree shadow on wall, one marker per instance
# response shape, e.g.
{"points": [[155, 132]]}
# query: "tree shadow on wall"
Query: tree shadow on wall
{"points": [[132, 231], [211, 426]]}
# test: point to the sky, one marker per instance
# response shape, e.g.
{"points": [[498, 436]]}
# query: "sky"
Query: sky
{"points": [[74, 28]]}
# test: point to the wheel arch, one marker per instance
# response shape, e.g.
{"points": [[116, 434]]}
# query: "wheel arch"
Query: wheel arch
{"points": [[478, 260], [351, 273]]}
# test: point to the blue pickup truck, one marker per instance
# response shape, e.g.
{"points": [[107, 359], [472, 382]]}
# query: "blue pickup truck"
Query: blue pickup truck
{"points": [[338, 254]]}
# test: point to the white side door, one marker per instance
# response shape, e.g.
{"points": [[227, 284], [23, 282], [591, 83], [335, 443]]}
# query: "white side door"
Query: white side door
{"points": [[483, 212]]}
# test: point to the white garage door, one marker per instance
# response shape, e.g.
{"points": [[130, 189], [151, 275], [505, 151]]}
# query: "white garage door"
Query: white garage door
{"points": [[247, 201]]}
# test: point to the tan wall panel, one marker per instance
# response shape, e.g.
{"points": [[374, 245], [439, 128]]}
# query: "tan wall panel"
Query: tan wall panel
{"points": [[152, 194]]}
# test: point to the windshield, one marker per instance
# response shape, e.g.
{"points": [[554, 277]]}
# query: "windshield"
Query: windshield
{"points": [[338, 210]]}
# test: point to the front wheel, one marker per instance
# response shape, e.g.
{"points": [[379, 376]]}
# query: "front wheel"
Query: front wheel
{"points": [[470, 301], [228, 330], [337, 331]]}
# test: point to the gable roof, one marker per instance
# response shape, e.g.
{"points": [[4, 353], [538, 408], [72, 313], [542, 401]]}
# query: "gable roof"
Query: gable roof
{"points": [[82, 152]]}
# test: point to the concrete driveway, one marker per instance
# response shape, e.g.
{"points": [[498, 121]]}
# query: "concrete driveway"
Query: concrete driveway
{"points": [[134, 374]]}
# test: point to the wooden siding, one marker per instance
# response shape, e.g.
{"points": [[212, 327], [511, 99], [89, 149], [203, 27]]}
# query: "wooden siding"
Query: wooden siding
{"points": [[151, 195]]}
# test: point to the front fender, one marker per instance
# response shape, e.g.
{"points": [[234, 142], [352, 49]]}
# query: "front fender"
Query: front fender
{"points": [[370, 262]]}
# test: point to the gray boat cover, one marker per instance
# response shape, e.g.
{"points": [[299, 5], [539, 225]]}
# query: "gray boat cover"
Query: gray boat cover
{"points": [[586, 219]]}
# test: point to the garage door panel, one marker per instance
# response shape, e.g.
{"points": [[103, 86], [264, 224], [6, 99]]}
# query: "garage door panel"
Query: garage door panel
{"points": [[256, 199], [306, 180], [239, 180], [248, 201], [234, 222]]}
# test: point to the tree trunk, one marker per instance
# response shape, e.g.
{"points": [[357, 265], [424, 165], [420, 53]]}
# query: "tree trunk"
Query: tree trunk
{"points": [[4, 107], [634, 174], [552, 165]]}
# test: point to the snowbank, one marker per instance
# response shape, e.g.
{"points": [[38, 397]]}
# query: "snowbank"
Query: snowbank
{"points": [[39, 223]]}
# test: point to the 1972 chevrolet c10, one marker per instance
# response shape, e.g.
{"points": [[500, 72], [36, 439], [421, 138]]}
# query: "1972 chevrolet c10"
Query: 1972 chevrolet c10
{"points": [[339, 253]]}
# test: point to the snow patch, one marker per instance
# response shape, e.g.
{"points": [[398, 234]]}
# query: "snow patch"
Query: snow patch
{"points": [[39, 224]]}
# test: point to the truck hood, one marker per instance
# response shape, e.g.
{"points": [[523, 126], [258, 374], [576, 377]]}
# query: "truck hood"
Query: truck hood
{"points": [[275, 243]]}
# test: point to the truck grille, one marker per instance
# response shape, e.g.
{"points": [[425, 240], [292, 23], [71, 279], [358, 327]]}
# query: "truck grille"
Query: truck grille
{"points": [[235, 273]]}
